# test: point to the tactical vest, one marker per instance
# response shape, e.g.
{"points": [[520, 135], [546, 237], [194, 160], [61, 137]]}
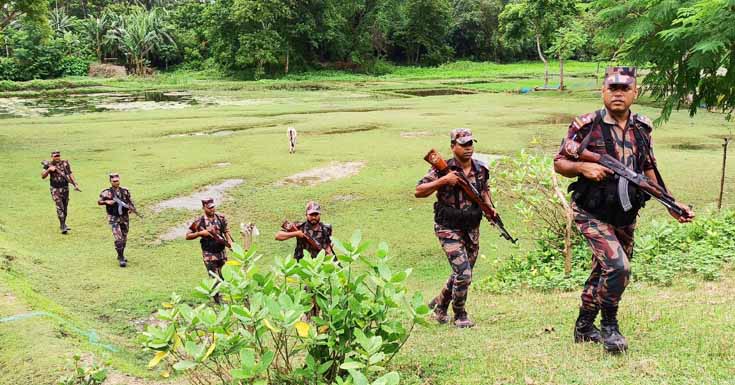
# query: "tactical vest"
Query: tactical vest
{"points": [[59, 181], [302, 245], [208, 243], [113, 209], [602, 199], [456, 218]]}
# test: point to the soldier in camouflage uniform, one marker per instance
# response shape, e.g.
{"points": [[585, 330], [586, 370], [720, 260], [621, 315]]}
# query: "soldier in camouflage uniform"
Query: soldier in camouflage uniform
{"points": [[60, 175], [312, 227], [604, 221], [457, 223], [117, 214], [214, 233]]}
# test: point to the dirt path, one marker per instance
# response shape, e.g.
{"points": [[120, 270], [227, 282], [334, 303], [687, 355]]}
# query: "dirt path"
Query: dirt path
{"points": [[319, 175]]}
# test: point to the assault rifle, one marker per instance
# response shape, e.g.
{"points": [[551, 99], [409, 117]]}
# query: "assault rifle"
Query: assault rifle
{"points": [[578, 151], [216, 235], [290, 227], [435, 159], [121, 205], [46, 164]]}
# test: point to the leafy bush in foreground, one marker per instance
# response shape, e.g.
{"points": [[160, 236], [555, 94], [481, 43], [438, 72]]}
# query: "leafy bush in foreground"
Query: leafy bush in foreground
{"points": [[262, 334], [664, 251]]}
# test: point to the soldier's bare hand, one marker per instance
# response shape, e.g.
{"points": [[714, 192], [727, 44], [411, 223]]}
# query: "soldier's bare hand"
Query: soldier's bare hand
{"points": [[492, 214], [299, 234], [205, 233], [594, 171], [688, 217], [51, 168], [110, 202], [451, 179]]}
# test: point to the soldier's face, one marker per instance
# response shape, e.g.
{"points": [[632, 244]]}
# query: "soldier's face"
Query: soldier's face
{"points": [[115, 182], [209, 211], [463, 152], [313, 218], [619, 97], [56, 158]]}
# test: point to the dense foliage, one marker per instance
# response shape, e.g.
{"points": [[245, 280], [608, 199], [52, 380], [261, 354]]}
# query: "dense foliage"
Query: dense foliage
{"points": [[270, 37], [315, 321]]}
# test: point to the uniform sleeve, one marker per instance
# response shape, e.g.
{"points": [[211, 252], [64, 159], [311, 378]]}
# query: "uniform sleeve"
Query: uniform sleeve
{"points": [[575, 132], [106, 194], [225, 224], [68, 167], [430, 176], [194, 226]]}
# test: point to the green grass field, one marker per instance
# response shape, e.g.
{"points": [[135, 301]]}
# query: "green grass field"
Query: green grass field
{"points": [[679, 335]]}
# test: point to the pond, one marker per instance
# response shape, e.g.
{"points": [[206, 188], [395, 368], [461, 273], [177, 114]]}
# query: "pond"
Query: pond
{"points": [[16, 107]]}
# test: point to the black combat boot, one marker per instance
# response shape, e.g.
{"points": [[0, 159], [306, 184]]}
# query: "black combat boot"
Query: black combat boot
{"points": [[612, 340], [585, 329], [121, 257], [63, 227], [438, 314]]}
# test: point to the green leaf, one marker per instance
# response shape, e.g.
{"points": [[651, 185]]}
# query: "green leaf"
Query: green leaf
{"points": [[356, 238], [351, 365], [184, 365], [391, 378], [237, 250], [358, 377]]}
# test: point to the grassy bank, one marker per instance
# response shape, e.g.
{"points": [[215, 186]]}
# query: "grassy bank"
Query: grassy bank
{"points": [[679, 335]]}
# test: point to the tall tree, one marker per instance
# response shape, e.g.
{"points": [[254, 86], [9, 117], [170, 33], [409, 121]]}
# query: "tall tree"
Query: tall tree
{"points": [[33, 11], [426, 29], [536, 19], [567, 41]]}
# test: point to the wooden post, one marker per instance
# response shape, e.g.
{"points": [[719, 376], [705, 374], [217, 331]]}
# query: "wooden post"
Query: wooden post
{"points": [[722, 177], [568, 231]]}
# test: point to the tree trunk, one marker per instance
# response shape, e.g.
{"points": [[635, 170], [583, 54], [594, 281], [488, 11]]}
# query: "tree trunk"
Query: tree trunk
{"points": [[561, 74], [722, 177], [286, 69], [543, 59]]}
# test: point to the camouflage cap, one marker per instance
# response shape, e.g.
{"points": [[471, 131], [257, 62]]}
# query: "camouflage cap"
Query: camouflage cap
{"points": [[208, 203], [620, 75], [56, 153], [113, 175], [312, 208], [461, 135]]}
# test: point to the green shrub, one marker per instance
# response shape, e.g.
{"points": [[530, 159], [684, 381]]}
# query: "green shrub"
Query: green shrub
{"points": [[74, 66], [261, 334], [84, 374]]}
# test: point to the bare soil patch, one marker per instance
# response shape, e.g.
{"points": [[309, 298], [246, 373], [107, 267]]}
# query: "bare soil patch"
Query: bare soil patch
{"points": [[557, 118], [323, 174], [414, 134], [349, 130], [487, 158], [193, 201], [173, 233]]}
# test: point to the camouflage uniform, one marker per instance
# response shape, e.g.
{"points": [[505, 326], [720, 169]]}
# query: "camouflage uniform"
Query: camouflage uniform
{"points": [[460, 246], [214, 255], [612, 247], [60, 189], [119, 220], [321, 233]]}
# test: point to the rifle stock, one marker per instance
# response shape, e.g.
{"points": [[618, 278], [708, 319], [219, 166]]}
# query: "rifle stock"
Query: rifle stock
{"points": [[291, 227], [435, 160], [576, 151]]}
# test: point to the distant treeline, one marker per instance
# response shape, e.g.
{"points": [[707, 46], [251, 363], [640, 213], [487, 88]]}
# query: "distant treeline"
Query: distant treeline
{"points": [[255, 38]]}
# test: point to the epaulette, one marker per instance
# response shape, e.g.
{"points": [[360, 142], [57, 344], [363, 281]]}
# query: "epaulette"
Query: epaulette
{"points": [[481, 164], [645, 120], [583, 120], [327, 228]]}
